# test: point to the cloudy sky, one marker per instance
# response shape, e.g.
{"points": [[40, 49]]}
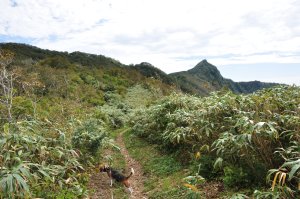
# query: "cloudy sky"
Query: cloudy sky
{"points": [[245, 39]]}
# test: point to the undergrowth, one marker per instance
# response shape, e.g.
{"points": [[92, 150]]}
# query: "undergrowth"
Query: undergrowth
{"points": [[164, 174], [248, 141]]}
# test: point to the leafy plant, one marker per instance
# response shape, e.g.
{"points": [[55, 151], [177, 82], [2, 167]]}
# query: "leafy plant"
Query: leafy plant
{"points": [[235, 177], [254, 132], [266, 195], [239, 196], [90, 136], [14, 179], [35, 162]]}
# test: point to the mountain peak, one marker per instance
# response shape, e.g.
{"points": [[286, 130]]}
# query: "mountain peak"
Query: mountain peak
{"points": [[206, 70], [204, 61], [146, 64], [204, 64]]}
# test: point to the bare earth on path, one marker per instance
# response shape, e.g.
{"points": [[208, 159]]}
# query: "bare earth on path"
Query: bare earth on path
{"points": [[99, 182]]}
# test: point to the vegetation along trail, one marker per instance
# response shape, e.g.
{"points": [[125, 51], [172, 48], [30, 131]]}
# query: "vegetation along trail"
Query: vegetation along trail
{"points": [[195, 133], [100, 182]]}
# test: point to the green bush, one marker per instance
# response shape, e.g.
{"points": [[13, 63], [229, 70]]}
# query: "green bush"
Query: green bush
{"points": [[115, 112], [90, 136], [23, 107], [235, 177], [242, 130], [36, 161], [206, 167], [56, 62]]}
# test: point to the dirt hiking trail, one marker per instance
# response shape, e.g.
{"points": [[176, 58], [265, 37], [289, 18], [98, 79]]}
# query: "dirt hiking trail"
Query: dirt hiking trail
{"points": [[99, 182]]}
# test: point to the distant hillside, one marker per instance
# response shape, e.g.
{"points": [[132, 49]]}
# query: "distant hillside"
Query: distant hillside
{"points": [[149, 70], [202, 79], [205, 78], [83, 77], [24, 51]]}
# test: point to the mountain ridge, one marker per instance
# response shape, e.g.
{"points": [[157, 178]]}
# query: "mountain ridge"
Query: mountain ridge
{"points": [[201, 79], [205, 78]]}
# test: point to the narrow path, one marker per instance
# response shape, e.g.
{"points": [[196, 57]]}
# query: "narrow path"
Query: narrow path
{"points": [[99, 182], [137, 180]]}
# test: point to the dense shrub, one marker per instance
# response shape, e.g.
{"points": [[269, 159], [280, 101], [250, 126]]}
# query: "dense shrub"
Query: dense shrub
{"points": [[36, 161], [235, 177], [253, 132], [56, 62], [116, 112], [22, 107], [90, 136], [206, 168]]}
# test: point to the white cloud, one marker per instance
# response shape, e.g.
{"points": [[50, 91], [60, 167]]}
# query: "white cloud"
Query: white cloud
{"points": [[171, 34]]}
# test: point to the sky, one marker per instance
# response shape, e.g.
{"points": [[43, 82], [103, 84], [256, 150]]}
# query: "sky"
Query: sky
{"points": [[246, 39]]}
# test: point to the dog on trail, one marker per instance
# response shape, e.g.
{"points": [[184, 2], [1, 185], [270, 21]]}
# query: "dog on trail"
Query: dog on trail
{"points": [[116, 175]]}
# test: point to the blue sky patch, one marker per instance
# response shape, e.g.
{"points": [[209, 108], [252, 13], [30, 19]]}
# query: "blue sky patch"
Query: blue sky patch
{"points": [[16, 39]]}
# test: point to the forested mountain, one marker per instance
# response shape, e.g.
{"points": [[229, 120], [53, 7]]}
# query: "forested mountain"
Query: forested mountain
{"points": [[24, 51], [149, 70]]}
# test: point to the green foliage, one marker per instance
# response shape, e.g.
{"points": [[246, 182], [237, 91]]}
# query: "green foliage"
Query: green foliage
{"points": [[286, 179], [75, 76], [235, 177], [255, 132], [115, 111], [14, 179], [156, 122], [89, 79], [24, 51], [62, 106], [159, 169], [90, 136], [202, 79], [23, 107], [206, 167], [266, 194], [150, 71], [140, 96], [56, 62], [239, 196], [35, 161], [49, 137]]}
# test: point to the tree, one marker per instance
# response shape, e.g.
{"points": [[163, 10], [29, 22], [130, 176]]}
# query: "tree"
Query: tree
{"points": [[6, 83]]}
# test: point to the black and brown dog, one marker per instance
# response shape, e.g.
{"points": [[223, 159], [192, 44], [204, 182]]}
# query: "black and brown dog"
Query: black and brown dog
{"points": [[114, 174]]}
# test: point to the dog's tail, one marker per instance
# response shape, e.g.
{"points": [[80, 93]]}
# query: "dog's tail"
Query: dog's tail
{"points": [[131, 173]]}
